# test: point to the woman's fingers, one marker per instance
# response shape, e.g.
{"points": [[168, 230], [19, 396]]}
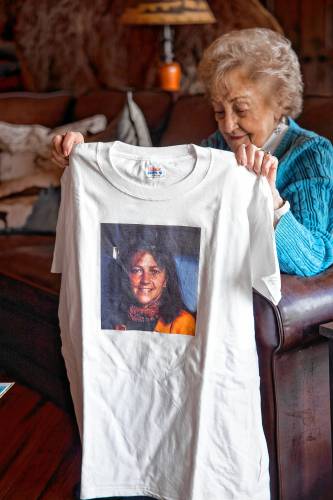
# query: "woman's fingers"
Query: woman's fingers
{"points": [[246, 156], [251, 150], [57, 144], [59, 160], [58, 157], [69, 140], [63, 145], [241, 155], [258, 161], [270, 169]]}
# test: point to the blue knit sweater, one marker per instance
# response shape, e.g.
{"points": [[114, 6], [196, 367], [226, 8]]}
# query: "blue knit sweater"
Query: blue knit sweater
{"points": [[304, 235]]}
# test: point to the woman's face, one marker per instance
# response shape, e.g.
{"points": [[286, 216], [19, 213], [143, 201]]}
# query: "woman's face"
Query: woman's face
{"points": [[147, 278], [246, 111]]}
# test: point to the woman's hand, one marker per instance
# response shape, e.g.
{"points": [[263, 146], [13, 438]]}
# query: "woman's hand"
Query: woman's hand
{"points": [[62, 146], [262, 163]]}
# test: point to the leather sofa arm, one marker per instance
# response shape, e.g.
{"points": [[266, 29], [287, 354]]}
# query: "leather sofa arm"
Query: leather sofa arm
{"points": [[306, 303]]}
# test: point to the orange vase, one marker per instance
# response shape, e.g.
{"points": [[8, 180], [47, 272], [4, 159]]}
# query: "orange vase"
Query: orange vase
{"points": [[170, 76]]}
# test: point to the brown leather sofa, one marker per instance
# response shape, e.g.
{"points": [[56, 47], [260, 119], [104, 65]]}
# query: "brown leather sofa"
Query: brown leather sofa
{"points": [[294, 359]]}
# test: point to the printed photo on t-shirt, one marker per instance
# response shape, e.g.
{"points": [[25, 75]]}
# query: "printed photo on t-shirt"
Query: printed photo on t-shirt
{"points": [[149, 278]]}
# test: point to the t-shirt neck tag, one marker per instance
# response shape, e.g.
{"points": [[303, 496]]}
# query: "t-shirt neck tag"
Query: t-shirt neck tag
{"points": [[155, 171]]}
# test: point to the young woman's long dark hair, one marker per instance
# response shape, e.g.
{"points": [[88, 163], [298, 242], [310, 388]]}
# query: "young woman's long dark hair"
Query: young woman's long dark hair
{"points": [[171, 300]]}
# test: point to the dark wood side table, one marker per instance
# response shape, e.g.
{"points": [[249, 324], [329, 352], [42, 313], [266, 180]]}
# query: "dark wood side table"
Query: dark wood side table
{"points": [[326, 330]]}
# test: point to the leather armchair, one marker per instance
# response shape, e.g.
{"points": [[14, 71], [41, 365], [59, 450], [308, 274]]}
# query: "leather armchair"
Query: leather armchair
{"points": [[295, 386]]}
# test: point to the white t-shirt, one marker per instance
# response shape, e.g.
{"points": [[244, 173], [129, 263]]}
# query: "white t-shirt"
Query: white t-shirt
{"points": [[172, 239]]}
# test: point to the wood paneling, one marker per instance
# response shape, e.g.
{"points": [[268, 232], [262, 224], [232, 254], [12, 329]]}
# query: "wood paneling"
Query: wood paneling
{"points": [[309, 25]]}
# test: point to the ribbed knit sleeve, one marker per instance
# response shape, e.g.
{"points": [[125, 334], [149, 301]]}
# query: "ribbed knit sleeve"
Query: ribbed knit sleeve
{"points": [[304, 236]]}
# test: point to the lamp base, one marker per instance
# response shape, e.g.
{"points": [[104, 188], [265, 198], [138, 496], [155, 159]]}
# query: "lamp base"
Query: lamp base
{"points": [[170, 75]]}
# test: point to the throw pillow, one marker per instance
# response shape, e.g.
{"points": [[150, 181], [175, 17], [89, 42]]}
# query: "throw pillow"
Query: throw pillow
{"points": [[132, 127]]}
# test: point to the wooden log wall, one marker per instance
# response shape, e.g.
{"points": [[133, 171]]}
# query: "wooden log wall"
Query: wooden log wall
{"points": [[80, 45], [309, 25]]}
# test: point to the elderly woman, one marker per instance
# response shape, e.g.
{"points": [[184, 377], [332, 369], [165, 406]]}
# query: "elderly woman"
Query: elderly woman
{"points": [[253, 79], [151, 299]]}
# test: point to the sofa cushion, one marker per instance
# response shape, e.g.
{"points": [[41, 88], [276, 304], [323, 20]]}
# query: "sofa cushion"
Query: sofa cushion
{"points": [[28, 258], [155, 106], [191, 121], [110, 101], [30, 346], [48, 109]]}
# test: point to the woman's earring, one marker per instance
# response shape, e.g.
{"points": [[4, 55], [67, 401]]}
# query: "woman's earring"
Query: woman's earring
{"points": [[279, 127]]}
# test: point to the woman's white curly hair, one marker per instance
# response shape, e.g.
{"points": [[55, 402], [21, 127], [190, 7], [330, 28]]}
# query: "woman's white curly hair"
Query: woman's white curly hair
{"points": [[263, 53]]}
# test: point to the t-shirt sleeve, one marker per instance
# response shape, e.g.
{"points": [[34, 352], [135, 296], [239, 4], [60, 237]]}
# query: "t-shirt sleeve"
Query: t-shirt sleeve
{"points": [[64, 216], [265, 271]]}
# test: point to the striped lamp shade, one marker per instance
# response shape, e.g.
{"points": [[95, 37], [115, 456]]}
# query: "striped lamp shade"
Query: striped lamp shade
{"points": [[168, 12]]}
